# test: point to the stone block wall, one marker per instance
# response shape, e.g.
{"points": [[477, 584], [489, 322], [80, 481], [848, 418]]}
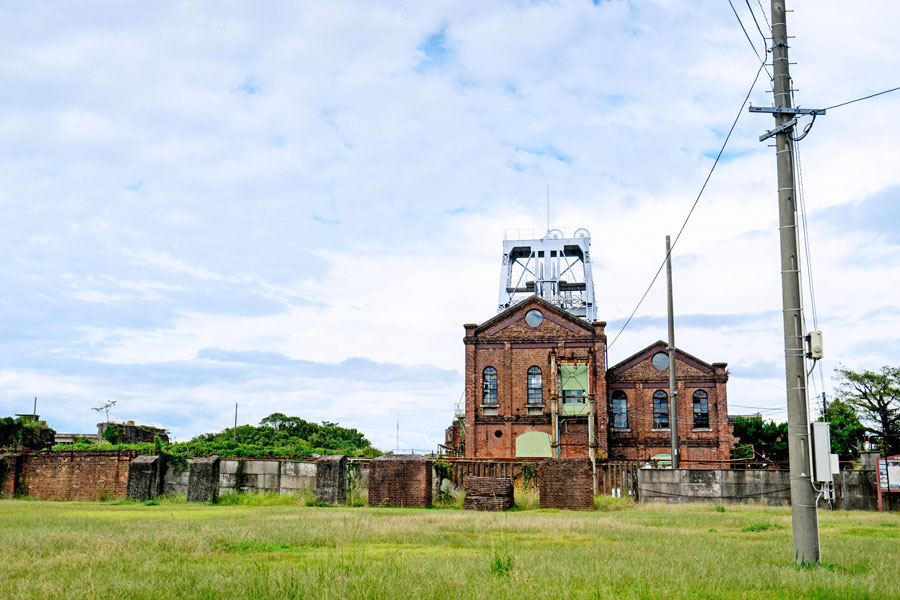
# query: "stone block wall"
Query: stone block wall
{"points": [[400, 480], [566, 483], [331, 479], [144, 481], [203, 480], [76, 475]]}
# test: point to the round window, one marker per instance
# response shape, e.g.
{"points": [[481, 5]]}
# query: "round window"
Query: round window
{"points": [[498, 433], [660, 360], [534, 317]]}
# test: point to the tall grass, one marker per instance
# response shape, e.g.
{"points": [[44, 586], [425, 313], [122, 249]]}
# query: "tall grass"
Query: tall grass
{"points": [[253, 550]]}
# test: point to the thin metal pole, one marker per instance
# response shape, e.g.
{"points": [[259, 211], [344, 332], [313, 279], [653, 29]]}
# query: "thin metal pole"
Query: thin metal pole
{"points": [[804, 518], [235, 420], [34, 412], [673, 389]]}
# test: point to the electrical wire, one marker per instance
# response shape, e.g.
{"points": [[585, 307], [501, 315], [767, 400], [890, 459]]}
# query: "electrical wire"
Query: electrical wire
{"points": [[801, 193], [747, 35], [755, 22], [696, 201], [765, 18], [861, 99]]}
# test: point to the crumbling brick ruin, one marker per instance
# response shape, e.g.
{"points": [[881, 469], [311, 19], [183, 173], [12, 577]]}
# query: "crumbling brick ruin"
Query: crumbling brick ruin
{"points": [[489, 493], [566, 483], [400, 480], [10, 469]]}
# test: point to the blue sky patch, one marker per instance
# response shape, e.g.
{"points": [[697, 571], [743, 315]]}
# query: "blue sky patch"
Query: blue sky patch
{"points": [[549, 151], [436, 50]]}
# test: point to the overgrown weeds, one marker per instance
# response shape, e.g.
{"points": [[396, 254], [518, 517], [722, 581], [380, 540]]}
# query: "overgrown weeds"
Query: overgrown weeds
{"points": [[501, 564]]}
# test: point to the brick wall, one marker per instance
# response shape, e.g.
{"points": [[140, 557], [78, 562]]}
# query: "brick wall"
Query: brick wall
{"points": [[566, 483], [76, 475], [400, 480]]}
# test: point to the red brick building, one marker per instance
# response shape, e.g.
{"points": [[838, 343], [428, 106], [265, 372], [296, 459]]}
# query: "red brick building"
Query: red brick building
{"points": [[538, 384]]}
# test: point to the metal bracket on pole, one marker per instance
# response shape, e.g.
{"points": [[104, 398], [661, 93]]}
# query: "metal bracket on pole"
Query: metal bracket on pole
{"points": [[783, 127], [786, 111]]}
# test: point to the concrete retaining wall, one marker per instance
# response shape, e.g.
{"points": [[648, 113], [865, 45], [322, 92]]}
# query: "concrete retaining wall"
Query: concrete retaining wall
{"points": [[855, 490]]}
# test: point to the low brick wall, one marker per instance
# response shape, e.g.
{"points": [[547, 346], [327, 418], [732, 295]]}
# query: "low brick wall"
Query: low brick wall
{"points": [[566, 483], [400, 480], [76, 475], [488, 493]]}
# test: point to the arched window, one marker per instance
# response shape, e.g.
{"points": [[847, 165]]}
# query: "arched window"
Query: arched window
{"points": [[535, 386], [489, 386], [619, 409], [660, 409], [701, 409]]}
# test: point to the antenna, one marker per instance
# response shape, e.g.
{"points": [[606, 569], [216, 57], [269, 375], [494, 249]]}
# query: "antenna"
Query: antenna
{"points": [[548, 207], [397, 447]]}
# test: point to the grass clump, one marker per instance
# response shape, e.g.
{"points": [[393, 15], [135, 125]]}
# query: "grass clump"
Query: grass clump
{"points": [[760, 526], [304, 498], [501, 564], [611, 503], [720, 508], [527, 499]]}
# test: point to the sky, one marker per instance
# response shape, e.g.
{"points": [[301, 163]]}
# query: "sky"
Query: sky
{"points": [[296, 206]]}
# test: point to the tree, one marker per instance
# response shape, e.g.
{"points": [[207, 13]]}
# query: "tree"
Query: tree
{"points": [[768, 439], [847, 433], [876, 397]]}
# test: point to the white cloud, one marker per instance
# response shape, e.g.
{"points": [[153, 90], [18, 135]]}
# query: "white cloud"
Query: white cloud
{"points": [[290, 180]]}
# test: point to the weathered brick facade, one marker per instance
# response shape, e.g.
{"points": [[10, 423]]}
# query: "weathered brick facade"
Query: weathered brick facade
{"points": [[566, 483], [511, 347], [400, 480], [76, 475], [638, 379]]}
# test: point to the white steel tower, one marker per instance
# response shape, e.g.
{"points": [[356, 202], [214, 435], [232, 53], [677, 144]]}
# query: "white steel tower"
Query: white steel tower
{"points": [[555, 266]]}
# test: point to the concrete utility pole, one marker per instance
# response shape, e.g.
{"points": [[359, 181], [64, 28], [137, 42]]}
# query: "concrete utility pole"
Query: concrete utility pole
{"points": [[673, 389], [804, 517]]}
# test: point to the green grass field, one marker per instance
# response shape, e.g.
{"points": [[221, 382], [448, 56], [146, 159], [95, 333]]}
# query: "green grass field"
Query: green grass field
{"points": [[173, 550]]}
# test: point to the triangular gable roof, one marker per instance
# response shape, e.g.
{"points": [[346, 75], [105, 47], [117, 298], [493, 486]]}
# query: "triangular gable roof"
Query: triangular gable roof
{"points": [[661, 346], [534, 302]]}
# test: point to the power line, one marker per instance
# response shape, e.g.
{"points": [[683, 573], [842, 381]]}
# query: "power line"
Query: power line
{"points": [[696, 201], [755, 22], [863, 98], [747, 35], [763, 11]]}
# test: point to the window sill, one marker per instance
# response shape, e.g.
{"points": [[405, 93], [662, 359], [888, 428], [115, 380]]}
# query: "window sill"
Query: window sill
{"points": [[701, 429], [490, 409], [661, 429], [621, 429]]}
